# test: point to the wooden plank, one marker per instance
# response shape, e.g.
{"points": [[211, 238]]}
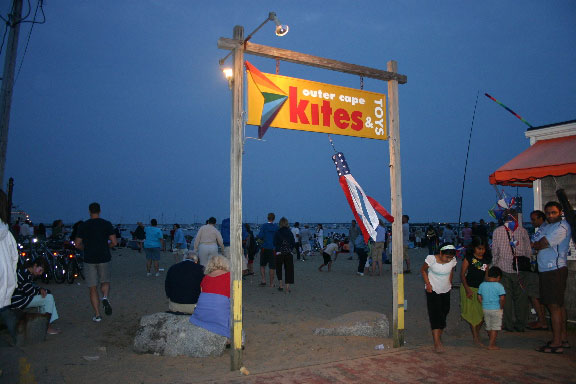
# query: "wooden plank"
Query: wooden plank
{"points": [[313, 61]]}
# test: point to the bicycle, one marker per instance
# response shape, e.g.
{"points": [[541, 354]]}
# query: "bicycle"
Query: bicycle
{"points": [[74, 268], [53, 261]]}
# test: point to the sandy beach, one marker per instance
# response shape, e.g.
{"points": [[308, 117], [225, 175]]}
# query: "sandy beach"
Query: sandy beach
{"points": [[279, 326]]}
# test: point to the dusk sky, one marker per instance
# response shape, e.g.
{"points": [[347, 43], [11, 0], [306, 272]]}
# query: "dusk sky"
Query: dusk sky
{"points": [[123, 102]]}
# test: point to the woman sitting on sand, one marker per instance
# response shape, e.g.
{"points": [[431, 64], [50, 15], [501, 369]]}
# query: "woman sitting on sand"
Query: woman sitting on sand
{"points": [[474, 270], [212, 311], [437, 273]]}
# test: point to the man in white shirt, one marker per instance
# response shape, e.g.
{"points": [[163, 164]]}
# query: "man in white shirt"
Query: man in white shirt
{"points": [[296, 232]]}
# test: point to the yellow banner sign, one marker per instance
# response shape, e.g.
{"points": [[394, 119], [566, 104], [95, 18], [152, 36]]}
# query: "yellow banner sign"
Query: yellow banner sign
{"points": [[289, 103]]}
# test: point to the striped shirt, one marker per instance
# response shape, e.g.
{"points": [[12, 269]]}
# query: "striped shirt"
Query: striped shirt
{"points": [[25, 291]]}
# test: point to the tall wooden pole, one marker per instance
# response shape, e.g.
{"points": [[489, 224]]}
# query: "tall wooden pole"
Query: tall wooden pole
{"points": [[8, 83], [236, 199], [396, 204]]}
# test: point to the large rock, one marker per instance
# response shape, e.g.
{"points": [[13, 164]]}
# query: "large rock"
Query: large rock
{"points": [[173, 335], [364, 323]]}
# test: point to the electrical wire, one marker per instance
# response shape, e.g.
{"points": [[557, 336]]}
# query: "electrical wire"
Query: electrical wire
{"points": [[4, 38], [9, 13], [38, 5]]}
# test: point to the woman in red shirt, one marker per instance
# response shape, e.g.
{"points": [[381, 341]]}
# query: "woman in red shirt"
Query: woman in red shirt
{"points": [[212, 311]]}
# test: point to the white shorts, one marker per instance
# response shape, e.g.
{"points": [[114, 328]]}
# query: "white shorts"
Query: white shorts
{"points": [[493, 319]]}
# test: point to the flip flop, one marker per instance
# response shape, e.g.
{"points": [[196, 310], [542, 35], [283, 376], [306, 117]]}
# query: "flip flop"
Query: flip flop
{"points": [[548, 349], [565, 344]]}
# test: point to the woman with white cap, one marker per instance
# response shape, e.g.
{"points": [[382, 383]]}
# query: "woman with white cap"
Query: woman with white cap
{"points": [[437, 272]]}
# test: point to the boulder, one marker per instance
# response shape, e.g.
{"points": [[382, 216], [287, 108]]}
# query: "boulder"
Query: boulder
{"points": [[363, 323], [173, 335]]}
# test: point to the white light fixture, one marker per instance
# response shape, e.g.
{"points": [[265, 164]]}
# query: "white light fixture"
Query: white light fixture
{"points": [[228, 73], [281, 30]]}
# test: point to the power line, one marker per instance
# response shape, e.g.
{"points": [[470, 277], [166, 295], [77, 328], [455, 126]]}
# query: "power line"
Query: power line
{"points": [[4, 38], [38, 5]]}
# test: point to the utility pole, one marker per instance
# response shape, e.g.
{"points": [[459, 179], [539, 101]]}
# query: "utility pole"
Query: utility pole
{"points": [[8, 81]]}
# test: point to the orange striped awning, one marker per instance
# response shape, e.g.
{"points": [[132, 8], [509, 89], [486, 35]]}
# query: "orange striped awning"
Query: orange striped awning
{"points": [[553, 157]]}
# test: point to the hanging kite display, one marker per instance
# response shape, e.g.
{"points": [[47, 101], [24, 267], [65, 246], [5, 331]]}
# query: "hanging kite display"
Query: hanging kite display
{"points": [[504, 202], [363, 206]]}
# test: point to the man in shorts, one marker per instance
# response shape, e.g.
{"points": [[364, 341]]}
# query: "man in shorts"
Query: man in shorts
{"points": [[96, 237], [552, 266], [267, 254]]}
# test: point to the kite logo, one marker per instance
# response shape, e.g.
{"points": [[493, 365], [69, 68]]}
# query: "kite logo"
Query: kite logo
{"points": [[274, 98]]}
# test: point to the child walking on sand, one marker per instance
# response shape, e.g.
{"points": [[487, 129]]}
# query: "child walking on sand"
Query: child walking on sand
{"points": [[492, 295]]}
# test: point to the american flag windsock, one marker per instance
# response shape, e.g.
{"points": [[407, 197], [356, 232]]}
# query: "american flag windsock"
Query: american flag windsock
{"points": [[363, 206]]}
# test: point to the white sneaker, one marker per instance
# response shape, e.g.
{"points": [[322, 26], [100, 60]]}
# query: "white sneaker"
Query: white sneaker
{"points": [[157, 274], [97, 319], [359, 273], [148, 274]]}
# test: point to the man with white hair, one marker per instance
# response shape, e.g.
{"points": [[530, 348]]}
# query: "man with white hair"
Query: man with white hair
{"points": [[182, 284]]}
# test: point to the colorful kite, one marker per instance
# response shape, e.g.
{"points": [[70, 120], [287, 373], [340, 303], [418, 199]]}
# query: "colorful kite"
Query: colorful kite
{"points": [[363, 206], [508, 109], [274, 98]]}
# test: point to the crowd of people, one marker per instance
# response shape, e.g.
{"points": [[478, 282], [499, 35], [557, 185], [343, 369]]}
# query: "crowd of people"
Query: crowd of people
{"points": [[502, 271], [500, 278]]}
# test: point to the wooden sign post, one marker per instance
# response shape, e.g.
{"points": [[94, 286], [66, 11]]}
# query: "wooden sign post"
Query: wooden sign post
{"points": [[239, 48]]}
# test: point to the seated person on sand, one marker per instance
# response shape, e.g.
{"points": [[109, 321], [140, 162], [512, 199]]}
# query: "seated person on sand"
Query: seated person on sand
{"points": [[213, 308], [29, 295], [182, 284]]}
